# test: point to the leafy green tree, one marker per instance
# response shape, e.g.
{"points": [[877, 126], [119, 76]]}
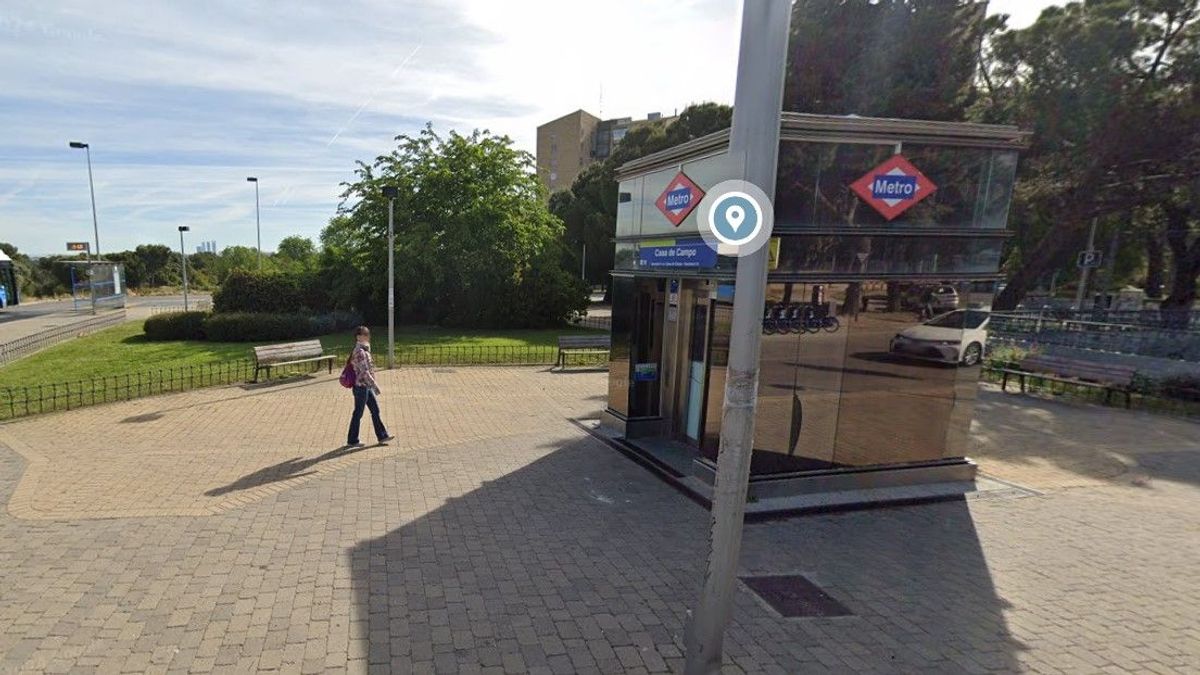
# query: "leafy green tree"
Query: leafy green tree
{"points": [[344, 253], [1109, 89], [883, 58], [155, 265], [472, 231], [31, 278], [297, 254], [243, 258]]}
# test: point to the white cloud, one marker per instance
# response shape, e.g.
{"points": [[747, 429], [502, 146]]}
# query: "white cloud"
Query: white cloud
{"points": [[181, 101]]}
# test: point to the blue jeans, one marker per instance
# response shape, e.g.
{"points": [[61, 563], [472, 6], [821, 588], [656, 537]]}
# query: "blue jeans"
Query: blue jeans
{"points": [[365, 398]]}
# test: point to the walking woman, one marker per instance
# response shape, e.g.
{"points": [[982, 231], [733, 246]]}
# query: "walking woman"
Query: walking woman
{"points": [[365, 389]]}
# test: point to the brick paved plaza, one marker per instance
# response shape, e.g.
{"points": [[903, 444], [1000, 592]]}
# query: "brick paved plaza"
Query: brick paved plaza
{"points": [[224, 530]]}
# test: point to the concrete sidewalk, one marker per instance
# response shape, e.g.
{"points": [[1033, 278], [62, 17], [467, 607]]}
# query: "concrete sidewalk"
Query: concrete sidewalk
{"points": [[224, 530]]}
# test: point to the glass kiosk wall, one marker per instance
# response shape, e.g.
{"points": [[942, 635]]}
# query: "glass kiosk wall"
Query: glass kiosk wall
{"points": [[874, 329]]}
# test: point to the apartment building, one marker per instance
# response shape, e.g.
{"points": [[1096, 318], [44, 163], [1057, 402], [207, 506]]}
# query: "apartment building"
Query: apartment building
{"points": [[567, 145]]}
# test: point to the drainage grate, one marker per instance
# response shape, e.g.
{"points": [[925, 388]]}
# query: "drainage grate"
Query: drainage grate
{"points": [[793, 595], [444, 370]]}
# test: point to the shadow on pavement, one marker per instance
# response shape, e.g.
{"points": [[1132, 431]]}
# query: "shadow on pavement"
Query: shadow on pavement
{"points": [[580, 561], [286, 379], [292, 468], [138, 419]]}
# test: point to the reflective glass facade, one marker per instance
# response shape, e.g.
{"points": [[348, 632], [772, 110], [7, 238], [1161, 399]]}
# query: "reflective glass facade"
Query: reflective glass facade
{"points": [[873, 331]]}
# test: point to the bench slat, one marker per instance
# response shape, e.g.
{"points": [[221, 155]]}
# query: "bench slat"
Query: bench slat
{"points": [[265, 354], [570, 341], [1074, 369]]}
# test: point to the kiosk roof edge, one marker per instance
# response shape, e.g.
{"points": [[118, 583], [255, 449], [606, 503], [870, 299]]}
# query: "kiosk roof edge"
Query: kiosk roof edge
{"points": [[846, 128]]}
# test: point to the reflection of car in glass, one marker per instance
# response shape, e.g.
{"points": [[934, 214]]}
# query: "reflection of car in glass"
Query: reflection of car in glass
{"points": [[955, 337], [942, 298]]}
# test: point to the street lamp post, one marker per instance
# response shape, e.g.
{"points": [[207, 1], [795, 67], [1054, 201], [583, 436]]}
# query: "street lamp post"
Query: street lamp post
{"points": [[183, 264], [92, 188], [753, 138], [257, 222], [391, 192]]}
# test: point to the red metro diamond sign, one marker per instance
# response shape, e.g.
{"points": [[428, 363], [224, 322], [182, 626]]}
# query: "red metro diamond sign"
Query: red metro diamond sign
{"points": [[680, 197], [893, 187]]}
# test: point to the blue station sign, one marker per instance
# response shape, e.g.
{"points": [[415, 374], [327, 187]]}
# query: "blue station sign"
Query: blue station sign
{"points": [[686, 254]]}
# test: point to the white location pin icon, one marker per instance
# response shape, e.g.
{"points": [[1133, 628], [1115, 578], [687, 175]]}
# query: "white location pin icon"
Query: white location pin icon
{"points": [[735, 215], [738, 216]]}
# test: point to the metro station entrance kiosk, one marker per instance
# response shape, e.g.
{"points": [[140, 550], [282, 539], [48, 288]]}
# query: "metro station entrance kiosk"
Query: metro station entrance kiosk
{"points": [[883, 264]]}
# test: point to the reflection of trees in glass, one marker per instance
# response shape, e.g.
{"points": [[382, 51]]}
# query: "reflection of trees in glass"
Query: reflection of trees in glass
{"points": [[973, 185], [843, 254]]}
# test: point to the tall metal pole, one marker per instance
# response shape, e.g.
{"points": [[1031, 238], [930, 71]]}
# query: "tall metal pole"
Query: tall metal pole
{"points": [[391, 286], [1081, 292], [754, 138], [583, 265], [92, 188], [257, 225], [183, 263]]}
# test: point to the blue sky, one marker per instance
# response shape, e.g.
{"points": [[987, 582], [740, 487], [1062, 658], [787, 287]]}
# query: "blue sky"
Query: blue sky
{"points": [[181, 101]]}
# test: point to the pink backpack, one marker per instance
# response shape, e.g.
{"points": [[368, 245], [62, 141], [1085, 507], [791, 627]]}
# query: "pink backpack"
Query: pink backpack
{"points": [[349, 377]]}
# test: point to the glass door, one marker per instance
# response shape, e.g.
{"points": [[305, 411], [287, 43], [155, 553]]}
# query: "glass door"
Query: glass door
{"points": [[694, 413], [646, 355]]}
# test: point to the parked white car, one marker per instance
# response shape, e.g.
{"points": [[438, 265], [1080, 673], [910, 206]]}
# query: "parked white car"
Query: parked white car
{"points": [[957, 337]]}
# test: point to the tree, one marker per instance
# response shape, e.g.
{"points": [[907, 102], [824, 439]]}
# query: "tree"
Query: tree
{"points": [[1182, 215], [157, 265], [32, 279], [883, 58], [296, 254], [472, 235], [239, 258], [1109, 89]]}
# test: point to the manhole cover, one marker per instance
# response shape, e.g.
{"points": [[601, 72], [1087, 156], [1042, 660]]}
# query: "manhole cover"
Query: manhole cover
{"points": [[793, 595]]}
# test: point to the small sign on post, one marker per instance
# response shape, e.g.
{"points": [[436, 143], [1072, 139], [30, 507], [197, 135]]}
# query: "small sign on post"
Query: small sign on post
{"points": [[1089, 260], [79, 247]]}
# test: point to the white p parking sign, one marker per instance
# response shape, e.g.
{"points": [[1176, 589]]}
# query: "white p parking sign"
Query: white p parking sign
{"points": [[1089, 259]]}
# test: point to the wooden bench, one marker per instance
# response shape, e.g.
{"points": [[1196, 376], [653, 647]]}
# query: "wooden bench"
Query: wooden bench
{"points": [[581, 344], [1075, 372], [267, 357]]}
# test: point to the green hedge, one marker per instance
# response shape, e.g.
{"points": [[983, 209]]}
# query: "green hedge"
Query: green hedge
{"points": [[267, 292], [258, 327], [176, 326], [248, 327]]}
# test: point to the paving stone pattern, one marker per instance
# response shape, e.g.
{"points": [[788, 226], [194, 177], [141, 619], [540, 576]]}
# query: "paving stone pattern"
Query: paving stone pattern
{"points": [[500, 538]]}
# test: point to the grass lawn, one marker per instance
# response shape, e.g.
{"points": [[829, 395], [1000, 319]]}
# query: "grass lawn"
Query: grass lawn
{"points": [[123, 349]]}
